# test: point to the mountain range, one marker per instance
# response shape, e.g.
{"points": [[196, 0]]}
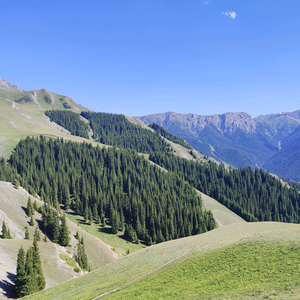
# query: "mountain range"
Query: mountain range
{"points": [[129, 190], [268, 141]]}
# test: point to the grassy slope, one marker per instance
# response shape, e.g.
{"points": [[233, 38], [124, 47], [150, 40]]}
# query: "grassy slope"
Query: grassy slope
{"points": [[187, 252], [12, 211], [221, 213], [20, 120]]}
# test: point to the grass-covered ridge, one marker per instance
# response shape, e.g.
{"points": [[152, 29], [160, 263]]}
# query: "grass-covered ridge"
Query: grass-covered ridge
{"points": [[153, 268], [247, 269]]}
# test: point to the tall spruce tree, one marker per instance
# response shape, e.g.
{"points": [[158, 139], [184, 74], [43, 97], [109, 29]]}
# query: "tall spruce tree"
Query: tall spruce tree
{"points": [[81, 256], [37, 266], [21, 274], [64, 237], [27, 236], [29, 209]]}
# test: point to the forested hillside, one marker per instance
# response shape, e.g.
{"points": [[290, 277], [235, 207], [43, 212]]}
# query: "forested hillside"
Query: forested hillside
{"points": [[109, 185], [116, 130], [254, 195], [69, 120]]}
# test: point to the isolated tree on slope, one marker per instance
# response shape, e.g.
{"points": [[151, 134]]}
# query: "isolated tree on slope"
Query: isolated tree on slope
{"points": [[5, 231]]}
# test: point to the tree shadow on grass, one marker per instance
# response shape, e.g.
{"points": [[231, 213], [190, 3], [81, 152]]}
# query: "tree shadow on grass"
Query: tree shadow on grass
{"points": [[105, 230], [7, 288]]}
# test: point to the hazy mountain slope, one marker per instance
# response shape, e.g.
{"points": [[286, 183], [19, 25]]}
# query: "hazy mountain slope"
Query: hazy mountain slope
{"points": [[286, 163], [282, 123], [234, 138], [147, 264]]}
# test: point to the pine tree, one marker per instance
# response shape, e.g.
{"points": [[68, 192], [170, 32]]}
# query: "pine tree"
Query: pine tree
{"points": [[113, 221], [5, 231], [29, 209], [16, 183], [35, 206], [37, 265], [77, 236], [37, 234], [31, 285], [31, 223], [81, 256], [64, 237], [21, 274], [27, 236]]}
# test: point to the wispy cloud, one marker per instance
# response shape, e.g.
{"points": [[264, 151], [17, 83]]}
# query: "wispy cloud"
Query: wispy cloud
{"points": [[230, 14], [205, 2]]}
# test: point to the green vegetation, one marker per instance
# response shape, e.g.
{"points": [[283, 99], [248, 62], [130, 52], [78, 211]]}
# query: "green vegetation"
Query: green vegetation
{"points": [[54, 226], [27, 235], [69, 120], [116, 130], [70, 261], [81, 257], [104, 234], [118, 185], [166, 134], [246, 268], [29, 278], [5, 232], [279, 255], [252, 194]]}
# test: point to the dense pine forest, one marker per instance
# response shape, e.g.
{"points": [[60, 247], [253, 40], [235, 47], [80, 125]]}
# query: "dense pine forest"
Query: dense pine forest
{"points": [[116, 130], [255, 195], [111, 185], [69, 120]]}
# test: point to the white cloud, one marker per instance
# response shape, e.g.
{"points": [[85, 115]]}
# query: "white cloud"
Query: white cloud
{"points": [[230, 14], [205, 2]]}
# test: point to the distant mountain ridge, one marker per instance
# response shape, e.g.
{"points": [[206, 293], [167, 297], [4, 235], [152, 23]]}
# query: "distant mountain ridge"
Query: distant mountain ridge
{"points": [[237, 138]]}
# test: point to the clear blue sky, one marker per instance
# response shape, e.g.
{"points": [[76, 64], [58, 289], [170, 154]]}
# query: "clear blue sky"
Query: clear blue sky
{"points": [[139, 57]]}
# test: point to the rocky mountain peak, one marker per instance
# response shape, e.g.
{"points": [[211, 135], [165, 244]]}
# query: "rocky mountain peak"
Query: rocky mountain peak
{"points": [[4, 85]]}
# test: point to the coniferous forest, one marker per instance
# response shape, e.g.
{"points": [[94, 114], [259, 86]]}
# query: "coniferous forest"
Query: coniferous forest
{"points": [[70, 121], [112, 184], [116, 130], [255, 195]]}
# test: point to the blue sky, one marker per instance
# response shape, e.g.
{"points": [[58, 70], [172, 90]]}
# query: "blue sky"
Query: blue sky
{"points": [[143, 57]]}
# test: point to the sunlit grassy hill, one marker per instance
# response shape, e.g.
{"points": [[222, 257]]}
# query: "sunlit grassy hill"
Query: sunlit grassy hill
{"points": [[238, 261]]}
